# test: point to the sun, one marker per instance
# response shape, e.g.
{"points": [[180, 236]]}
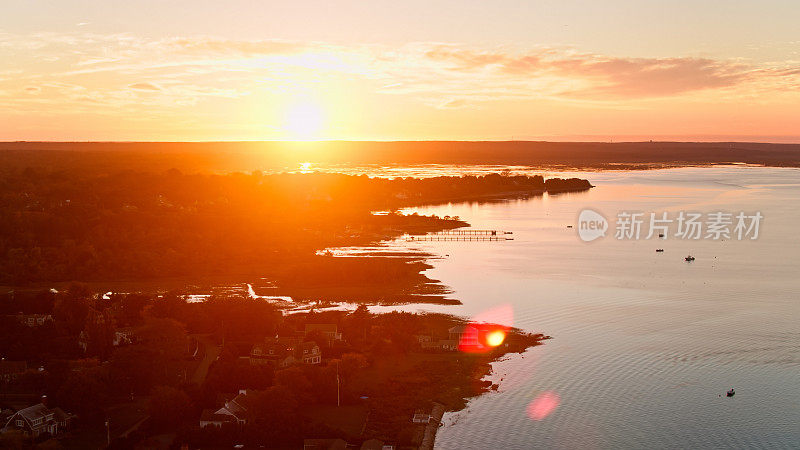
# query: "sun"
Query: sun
{"points": [[303, 121]]}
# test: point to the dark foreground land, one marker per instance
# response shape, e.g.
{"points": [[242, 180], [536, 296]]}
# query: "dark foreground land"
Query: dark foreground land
{"points": [[160, 369]]}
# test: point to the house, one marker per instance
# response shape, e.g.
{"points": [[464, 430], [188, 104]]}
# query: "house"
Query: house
{"points": [[423, 339], [279, 352], [420, 416], [124, 336], [447, 345], [284, 352], [34, 320], [465, 335], [329, 330], [324, 444], [311, 353], [39, 419], [11, 370], [210, 417], [235, 411]]}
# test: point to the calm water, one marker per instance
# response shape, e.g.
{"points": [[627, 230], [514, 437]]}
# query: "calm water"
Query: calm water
{"points": [[643, 342]]}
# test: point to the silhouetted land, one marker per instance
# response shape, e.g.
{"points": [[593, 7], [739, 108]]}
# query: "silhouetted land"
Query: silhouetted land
{"points": [[151, 358], [157, 372], [64, 225], [247, 156]]}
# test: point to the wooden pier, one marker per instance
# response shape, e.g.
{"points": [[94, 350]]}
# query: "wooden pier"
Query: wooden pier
{"points": [[469, 232]]}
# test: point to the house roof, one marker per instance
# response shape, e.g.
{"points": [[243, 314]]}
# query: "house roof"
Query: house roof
{"points": [[279, 347], [209, 415], [60, 415], [34, 412], [240, 404], [462, 329]]}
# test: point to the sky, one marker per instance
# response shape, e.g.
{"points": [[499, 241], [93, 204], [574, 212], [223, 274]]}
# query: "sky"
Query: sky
{"points": [[158, 70]]}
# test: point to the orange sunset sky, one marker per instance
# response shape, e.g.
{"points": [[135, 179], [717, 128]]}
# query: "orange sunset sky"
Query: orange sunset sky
{"points": [[380, 70]]}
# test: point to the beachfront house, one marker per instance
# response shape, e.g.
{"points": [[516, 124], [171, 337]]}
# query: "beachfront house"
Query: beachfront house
{"points": [[465, 335], [420, 416], [39, 419]]}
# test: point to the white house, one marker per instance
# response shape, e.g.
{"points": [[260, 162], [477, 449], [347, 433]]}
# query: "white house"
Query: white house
{"points": [[39, 419], [234, 411]]}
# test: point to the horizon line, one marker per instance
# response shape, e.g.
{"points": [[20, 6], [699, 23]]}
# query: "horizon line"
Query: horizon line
{"points": [[791, 140]]}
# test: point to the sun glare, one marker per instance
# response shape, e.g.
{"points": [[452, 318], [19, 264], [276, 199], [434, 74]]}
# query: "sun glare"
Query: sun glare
{"points": [[495, 338], [303, 122]]}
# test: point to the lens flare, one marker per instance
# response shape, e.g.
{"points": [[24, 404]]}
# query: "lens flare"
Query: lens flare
{"points": [[485, 331], [495, 338], [543, 405]]}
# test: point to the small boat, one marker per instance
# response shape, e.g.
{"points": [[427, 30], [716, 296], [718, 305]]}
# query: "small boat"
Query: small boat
{"points": [[730, 393], [689, 258], [659, 250]]}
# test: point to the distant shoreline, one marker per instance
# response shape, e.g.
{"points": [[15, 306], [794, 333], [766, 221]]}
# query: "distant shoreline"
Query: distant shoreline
{"points": [[219, 157]]}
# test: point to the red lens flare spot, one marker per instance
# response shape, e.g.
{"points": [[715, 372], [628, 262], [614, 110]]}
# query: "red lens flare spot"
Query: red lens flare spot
{"points": [[485, 331], [544, 404]]}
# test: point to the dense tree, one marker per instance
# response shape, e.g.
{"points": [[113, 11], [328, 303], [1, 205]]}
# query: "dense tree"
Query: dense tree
{"points": [[136, 369], [296, 382], [275, 418], [85, 394], [165, 337], [168, 407], [71, 309]]}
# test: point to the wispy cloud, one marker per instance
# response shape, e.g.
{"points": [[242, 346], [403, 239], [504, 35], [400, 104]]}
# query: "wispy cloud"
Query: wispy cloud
{"points": [[144, 87], [603, 76], [124, 70]]}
